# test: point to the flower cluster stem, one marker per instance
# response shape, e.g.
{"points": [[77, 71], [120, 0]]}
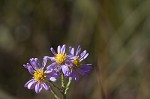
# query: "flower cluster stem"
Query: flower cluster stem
{"points": [[68, 84], [64, 89], [64, 96], [63, 86], [62, 81], [53, 91]]}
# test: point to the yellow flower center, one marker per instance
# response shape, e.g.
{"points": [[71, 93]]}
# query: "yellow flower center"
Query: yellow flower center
{"points": [[60, 58], [76, 62], [39, 75]]}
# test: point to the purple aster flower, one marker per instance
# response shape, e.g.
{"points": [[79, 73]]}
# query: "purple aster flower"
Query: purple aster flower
{"points": [[40, 76], [60, 59], [73, 70]]}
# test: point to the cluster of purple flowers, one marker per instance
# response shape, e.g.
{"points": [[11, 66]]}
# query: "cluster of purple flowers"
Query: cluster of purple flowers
{"points": [[62, 63]]}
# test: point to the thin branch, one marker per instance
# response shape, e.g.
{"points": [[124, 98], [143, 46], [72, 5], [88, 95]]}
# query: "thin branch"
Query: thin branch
{"points": [[68, 84], [62, 81], [52, 90]]}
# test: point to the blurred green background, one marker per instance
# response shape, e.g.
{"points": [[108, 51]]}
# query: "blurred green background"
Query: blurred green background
{"points": [[116, 33]]}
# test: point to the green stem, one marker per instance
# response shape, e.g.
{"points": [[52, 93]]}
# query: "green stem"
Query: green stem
{"points": [[54, 93], [55, 86], [63, 86], [62, 81], [64, 96], [68, 84], [52, 90]]}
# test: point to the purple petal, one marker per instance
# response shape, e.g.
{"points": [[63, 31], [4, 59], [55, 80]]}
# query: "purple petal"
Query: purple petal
{"points": [[86, 68], [70, 48], [69, 63], [31, 84], [58, 69], [51, 66], [48, 72], [26, 85], [31, 70], [38, 87], [75, 76], [53, 73], [63, 49], [73, 57], [68, 57], [80, 71], [53, 79], [83, 54], [53, 51], [35, 63], [45, 60], [84, 57], [48, 58], [46, 86], [27, 65], [78, 50], [58, 49], [65, 69], [52, 59], [72, 51]]}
